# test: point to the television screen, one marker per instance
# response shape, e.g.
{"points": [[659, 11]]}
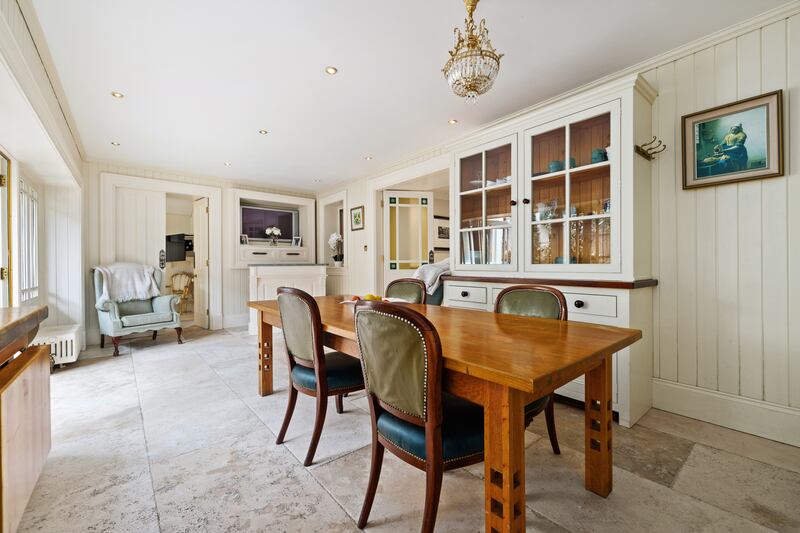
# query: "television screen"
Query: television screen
{"points": [[256, 219]]}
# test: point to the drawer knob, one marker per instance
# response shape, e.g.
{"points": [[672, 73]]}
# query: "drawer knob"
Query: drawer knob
{"points": [[579, 303], [464, 294]]}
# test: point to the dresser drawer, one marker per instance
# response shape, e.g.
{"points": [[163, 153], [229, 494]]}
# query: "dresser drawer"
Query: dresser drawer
{"points": [[460, 293], [257, 254], [591, 304], [293, 255]]}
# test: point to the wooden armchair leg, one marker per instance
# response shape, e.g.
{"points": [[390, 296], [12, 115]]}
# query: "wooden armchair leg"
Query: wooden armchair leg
{"points": [[115, 340], [102, 341], [179, 331], [372, 485], [550, 418], [339, 404], [155, 334]]}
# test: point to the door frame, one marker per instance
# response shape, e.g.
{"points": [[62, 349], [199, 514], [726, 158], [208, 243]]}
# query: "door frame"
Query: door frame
{"points": [[386, 193], [110, 182]]}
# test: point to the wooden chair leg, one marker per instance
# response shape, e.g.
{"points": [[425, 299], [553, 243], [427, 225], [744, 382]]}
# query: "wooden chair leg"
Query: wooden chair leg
{"points": [[550, 418], [115, 340], [155, 334], [179, 331], [372, 485], [433, 489], [102, 341], [339, 404], [319, 421], [288, 416]]}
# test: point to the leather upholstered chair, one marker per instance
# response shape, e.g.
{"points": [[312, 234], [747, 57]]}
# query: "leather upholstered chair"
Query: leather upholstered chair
{"points": [[409, 289], [311, 370], [541, 302], [401, 356]]}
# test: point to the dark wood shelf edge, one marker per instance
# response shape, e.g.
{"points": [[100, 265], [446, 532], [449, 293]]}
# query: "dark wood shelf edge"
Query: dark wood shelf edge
{"points": [[602, 284]]}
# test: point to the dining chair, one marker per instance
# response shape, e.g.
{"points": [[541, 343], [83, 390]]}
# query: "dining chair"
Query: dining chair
{"points": [[411, 290], [412, 417], [312, 371], [541, 302]]}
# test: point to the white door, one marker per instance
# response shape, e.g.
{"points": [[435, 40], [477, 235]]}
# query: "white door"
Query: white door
{"points": [[200, 223], [407, 232], [140, 222]]}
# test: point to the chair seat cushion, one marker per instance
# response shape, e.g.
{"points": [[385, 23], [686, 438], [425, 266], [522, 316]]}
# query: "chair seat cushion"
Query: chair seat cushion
{"points": [[343, 372], [145, 319], [462, 430], [536, 405]]}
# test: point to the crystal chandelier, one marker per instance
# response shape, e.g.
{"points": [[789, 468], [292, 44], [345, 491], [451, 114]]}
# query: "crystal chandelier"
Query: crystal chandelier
{"points": [[473, 63]]}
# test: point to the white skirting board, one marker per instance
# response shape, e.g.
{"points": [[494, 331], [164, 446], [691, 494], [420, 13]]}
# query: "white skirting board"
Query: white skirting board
{"points": [[760, 418]]}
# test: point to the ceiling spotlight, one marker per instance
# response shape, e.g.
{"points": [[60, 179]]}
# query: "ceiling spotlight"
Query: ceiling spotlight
{"points": [[117, 94], [368, 158], [227, 163], [114, 143], [263, 132], [452, 121], [331, 70]]}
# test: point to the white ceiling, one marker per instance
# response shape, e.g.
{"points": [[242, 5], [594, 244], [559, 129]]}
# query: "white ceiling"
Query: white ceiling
{"points": [[201, 77]]}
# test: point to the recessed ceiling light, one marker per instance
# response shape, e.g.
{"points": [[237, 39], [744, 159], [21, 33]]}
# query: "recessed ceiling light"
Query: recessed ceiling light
{"points": [[368, 158], [227, 163], [331, 70], [317, 181], [114, 143], [452, 121], [263, 132], [117, 94]]}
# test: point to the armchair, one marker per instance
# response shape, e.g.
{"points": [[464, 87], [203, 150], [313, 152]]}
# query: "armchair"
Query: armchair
{"points": [[136, 316]]}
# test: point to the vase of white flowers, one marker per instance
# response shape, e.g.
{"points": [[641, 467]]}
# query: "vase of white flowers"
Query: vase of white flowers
{"points": [[273, 233], [335, 244]]}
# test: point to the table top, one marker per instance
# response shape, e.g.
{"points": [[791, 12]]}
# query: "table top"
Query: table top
{"points": [[18, 326], [529, 354]]}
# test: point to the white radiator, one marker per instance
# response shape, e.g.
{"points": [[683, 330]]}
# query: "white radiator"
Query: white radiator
{"points": [[63, 341]]}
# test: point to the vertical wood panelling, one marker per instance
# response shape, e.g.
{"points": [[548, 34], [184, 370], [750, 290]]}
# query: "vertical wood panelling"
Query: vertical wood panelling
{"points": [[774, 262], [751, 356], [706, 240], [793, 199], [667, 239], [727, 241], [686, 236], [652, 78]]}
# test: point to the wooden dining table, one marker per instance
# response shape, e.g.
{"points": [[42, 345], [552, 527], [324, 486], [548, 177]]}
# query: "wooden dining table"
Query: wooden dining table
{"points": [[501, 362]]}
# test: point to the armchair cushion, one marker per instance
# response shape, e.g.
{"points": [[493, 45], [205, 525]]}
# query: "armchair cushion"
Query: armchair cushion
{"points": [[167, 303], [130, 321], [462, 430]]}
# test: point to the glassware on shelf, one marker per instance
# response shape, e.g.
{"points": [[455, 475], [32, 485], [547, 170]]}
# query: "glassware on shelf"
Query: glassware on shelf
{"points": [[547, 242], [547, 152], [589, 140], [498, 246], [498, 206], [472, 247], [471, 210], [590, 240], [589, 190], [548, 198]]}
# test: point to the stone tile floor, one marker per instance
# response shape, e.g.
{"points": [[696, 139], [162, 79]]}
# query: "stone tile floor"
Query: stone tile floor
{"points": [[175, 438]]}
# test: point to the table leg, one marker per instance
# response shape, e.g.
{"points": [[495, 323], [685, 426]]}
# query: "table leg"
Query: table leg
{"points": [[598, 429], [264, 357], [504, 451]]}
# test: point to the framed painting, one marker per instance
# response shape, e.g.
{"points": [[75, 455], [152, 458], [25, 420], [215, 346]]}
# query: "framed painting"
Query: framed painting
{"points": [[441, 233], [734, 142], [357, 218]]}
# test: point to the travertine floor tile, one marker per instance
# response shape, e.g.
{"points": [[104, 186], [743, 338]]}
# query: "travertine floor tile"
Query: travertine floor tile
{"points": [[760, 449], [759, 492]]}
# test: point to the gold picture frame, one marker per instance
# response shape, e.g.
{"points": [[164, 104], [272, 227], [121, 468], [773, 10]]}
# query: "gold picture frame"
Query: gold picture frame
{"points": [[734, 142]]}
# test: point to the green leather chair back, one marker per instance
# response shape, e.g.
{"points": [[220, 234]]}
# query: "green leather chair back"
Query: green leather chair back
{"points": [[298, 325], [409, 289], [532, 300], [393, 357]]}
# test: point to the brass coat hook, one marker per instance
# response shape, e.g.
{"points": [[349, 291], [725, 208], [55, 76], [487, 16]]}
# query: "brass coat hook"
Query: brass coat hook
{"points": [[648, 150]]}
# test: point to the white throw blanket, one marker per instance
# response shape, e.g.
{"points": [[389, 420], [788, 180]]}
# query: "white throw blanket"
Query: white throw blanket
{"points": [[431, 274], [123, 282]]}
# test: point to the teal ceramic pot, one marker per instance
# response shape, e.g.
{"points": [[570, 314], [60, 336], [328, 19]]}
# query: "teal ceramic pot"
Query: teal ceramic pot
{"points": [[599, 155], [571, 162], [555, 166]]}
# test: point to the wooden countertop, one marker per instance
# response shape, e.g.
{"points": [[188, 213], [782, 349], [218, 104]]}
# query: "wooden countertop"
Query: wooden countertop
{"points": [[18, 327], [603, 284]]}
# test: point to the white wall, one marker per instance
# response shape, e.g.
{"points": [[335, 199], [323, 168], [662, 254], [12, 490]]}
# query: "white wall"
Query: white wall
{"points": [[727, 307], [235, 283]]}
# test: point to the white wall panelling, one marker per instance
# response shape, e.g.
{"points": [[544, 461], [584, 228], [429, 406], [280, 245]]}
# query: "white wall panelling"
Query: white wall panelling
{"points": [[727, 258]]}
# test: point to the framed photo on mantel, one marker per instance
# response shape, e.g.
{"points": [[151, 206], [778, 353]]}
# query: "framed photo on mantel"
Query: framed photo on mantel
{"points": [[734, 142]]}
